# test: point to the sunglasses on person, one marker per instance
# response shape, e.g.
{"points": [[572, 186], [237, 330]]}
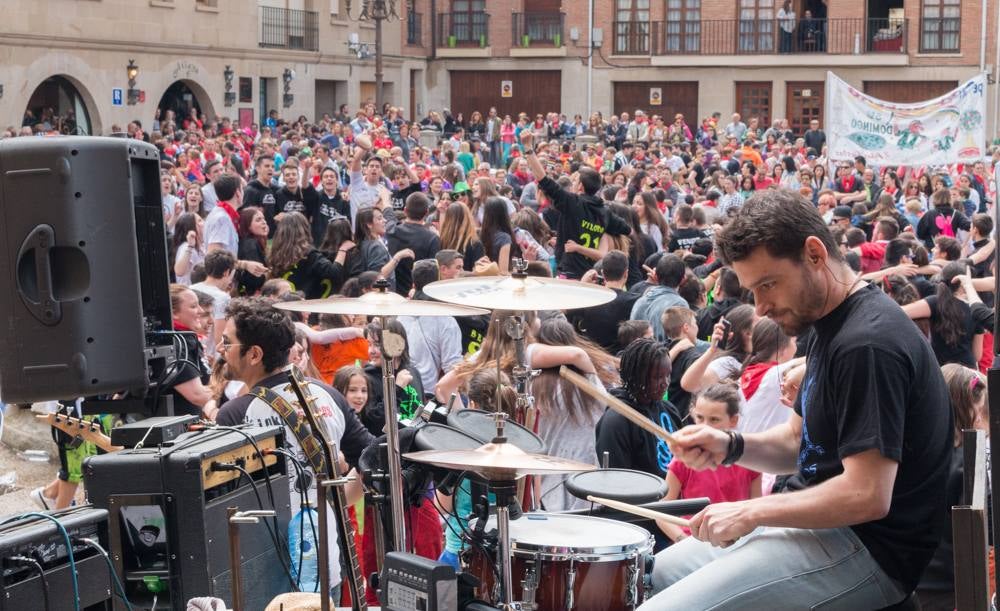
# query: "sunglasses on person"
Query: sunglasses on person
{"points": [[456, 196]]}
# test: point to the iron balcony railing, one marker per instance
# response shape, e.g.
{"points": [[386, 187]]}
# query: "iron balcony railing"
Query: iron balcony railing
{"points": [[760, 36], [537, 29], [463, 29], [282, 28]]}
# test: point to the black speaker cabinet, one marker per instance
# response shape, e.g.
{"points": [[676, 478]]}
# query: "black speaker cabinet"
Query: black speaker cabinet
{"points": [[83, 260]]}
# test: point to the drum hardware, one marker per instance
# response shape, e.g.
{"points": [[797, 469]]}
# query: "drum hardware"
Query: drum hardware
{"points": [[235, 518], [571, 584], [529, 585], [382, 303], [519, 292], [632, 579]]}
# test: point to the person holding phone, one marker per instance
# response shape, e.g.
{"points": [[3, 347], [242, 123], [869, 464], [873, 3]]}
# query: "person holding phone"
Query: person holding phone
{"points": [[868, 443]]}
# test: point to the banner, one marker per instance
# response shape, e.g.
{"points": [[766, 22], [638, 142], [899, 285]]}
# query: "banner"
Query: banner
{"points": [[945, 130]]}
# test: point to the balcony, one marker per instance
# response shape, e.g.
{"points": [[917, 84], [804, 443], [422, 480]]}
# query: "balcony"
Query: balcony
{"points": [[537, 35], [463, 30], [760, 37], [414, 31], [463, 34], [289, 29]]}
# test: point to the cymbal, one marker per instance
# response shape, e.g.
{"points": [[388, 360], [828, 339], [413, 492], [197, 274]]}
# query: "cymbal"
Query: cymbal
{"points": [[378, 303], [519, 293], [498, 462]]}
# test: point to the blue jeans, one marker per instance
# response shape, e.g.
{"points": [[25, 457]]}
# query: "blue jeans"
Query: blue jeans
{"points": [[777, 568]]}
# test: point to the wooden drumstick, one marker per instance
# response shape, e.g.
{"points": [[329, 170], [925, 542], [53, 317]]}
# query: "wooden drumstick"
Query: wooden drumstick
{"points": [[616, 404], [640, 511]]}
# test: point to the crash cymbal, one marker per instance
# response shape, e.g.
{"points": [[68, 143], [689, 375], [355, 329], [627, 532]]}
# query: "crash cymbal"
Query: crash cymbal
{"points": [[498, 462], [519, 293], [378, 303]]}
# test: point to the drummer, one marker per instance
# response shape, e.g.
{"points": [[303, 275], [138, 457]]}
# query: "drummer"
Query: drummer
{"points": [[869, 439]]}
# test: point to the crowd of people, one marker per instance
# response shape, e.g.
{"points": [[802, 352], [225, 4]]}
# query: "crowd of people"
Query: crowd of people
{"points": [[647, 206]]}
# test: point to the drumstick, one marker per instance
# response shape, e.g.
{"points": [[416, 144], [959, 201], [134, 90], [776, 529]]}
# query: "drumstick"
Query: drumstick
{"points": [[640, 511], [616, 404]]}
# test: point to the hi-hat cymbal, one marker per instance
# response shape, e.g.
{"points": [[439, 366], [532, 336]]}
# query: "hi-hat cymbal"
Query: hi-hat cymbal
{"points": [[527, 293], [498, 462], [378, 303]]}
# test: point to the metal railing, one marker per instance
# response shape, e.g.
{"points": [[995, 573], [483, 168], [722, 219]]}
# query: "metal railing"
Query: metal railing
{"points": [[289, 29], [537, 29], [760, 37], [414, 31], [463, 29]]}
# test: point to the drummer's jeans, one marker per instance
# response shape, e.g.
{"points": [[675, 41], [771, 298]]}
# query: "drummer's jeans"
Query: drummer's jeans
{"points": [[772, 568]]}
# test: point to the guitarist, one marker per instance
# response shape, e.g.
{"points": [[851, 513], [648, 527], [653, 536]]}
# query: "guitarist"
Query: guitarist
{"points": [[255, 344]]}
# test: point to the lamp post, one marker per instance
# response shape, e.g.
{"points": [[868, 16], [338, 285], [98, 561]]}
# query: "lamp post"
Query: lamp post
{"points": [[132, 71], [377, 11], [286, 78], [227, 74]]}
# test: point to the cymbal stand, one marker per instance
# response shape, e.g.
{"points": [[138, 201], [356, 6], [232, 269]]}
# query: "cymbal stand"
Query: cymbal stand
{"points": [[392, 345], [506, 493], [521, 374], [235, 517]]}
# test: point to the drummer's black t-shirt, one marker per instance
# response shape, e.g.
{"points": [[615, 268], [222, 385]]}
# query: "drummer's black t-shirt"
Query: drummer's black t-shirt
{"points": [[872, 382]]}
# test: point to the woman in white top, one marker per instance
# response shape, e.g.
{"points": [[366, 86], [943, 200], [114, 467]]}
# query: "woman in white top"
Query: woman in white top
{"points": [[189, 244], [651, 219]]}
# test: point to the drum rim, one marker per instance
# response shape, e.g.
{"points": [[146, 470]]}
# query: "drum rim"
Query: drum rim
{"points": [[523, 549]]}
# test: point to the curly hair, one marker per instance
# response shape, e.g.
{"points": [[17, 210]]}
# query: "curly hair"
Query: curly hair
{"points": [[259, 324], [639, 359]]}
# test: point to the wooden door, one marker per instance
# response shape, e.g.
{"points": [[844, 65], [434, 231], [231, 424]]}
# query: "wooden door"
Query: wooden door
{"points": [[908, 92], [542, 6], [532, 91], [753, 99], [367, 93], [803, 103], [677, 97]]}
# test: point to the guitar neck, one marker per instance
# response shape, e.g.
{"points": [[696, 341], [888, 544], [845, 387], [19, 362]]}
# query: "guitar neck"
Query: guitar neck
{"points": [[338, 501], [75, 427]]}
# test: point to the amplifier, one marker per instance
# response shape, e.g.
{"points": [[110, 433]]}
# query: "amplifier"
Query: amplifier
{"points": [[21, 587], [151, 431], [167, 515]]}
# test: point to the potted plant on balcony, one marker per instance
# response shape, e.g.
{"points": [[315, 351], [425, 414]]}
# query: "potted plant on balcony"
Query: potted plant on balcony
{"points": [[452, 41], [557, 40], [526, 40], [482, 41]]}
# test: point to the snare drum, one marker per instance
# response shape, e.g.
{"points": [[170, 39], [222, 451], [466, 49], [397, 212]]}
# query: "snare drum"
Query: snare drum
{"points": [[571, 562]]}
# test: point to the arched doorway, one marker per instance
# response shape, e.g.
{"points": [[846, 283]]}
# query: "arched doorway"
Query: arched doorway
{"points": [[57, 104], [180, 98]]}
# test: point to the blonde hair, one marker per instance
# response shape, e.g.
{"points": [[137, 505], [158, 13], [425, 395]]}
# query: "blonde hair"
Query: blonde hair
{"points": [[913, 205]]}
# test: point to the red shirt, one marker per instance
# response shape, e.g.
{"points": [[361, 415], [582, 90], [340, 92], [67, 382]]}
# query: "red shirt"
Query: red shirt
{"points": [[720, 485], [872, 254]]}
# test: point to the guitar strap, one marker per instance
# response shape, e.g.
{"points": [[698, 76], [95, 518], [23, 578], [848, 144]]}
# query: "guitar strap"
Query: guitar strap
{"points": [[299, 427]]}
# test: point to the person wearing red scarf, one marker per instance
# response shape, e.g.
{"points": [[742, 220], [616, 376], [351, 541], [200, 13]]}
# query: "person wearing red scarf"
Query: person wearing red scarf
{"points": [[189, 387]]}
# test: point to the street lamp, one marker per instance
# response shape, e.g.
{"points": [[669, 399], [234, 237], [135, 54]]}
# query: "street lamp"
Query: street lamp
{"points": [[228, 74], [132, 71], [286, 78], [377, 11]]}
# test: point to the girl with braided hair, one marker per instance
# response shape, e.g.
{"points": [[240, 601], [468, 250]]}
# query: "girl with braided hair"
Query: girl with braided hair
{"points": [[645, 372]]}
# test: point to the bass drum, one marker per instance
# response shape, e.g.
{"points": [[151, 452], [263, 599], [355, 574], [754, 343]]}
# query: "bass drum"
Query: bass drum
{"points": [[574, 562]]}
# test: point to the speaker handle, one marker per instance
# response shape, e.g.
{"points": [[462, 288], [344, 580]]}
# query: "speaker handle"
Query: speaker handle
{"points": [[47, 309]]}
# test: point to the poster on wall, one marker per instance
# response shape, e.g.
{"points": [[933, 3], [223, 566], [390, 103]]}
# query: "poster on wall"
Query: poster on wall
{"points": [[246, 118], [948, 129], [655, 96], [506, 89]]}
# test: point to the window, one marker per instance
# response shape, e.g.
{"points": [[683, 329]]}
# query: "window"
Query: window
{"points": [[632, 27], [756, 27], [682, 32], [468, 21], [940, 25]]}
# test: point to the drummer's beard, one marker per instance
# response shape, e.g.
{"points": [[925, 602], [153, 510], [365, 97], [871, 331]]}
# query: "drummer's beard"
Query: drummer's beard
{"points": [[227, 373]]}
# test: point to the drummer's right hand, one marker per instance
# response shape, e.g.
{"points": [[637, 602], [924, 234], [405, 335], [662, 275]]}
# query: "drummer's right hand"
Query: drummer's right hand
{"points": [[700, 447]]}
